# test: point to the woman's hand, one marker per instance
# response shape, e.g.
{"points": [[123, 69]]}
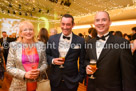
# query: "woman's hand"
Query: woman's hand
{"points": [[32, 74]]}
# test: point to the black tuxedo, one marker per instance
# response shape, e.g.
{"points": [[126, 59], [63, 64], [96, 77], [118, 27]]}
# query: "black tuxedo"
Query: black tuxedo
{"points": [[116, 69], [6, 47], [70, 73]]}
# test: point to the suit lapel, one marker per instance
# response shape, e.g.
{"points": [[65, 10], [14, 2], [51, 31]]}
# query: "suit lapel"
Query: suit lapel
{"points": [[72, 42], [57, 43], [19, 54], [94, 48], [106, 48]]}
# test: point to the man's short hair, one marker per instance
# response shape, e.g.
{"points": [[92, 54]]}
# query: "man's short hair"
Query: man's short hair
{"points": [[134, 28], [68, 16], [106, 13], [90, 30], [4, 32]]}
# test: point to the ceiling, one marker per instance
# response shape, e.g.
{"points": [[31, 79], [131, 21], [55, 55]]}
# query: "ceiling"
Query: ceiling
{"points": [[82, 10]]}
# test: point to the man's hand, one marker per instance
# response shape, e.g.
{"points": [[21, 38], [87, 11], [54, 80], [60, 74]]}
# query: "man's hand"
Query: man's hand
{"points": [[58, 61], [89, 70]]}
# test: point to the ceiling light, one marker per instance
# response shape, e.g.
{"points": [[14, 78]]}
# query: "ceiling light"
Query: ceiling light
{"points": [[61, 2], [33, 9], [40, 10], [25, 14], [8, 11], [14, 12], [10, 5], [20, 13], [31, 14], [47, 11], [19, 6]]}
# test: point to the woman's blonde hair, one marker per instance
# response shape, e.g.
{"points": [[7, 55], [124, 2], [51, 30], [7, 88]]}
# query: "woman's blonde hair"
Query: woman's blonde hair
{"points": [[21, 25]]}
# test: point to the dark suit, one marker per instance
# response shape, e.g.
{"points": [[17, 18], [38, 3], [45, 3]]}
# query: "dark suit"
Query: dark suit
{"points": [[69, 73], [116, 69], [6, 47]]}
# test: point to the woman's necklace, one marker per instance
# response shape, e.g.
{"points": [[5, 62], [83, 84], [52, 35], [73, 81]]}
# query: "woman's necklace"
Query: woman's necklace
{"points": [[30, 47]]}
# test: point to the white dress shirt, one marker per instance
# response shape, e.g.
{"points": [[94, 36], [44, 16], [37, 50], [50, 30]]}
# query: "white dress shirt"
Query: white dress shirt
{"points": [[64, 45], [100, 45]]}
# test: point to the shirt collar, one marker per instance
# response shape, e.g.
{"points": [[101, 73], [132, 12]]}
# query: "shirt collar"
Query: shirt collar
{"points": [[70, 35], [103, 35]]}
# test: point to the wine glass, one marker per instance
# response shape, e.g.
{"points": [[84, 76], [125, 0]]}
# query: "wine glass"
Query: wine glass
{"points": [[33, 66], [62, 56], [93, 66], [63, 60]]}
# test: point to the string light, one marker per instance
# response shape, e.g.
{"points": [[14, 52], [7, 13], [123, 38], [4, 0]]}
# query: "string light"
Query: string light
{"points": [[78, 8]]}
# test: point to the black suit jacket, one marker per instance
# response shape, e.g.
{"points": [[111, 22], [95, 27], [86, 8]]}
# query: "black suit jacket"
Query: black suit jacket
{"points": [[6, 47], [115, 65], [70, 72]]}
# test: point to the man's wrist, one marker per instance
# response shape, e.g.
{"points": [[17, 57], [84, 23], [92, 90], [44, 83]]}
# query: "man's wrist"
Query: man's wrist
{"points": [[53, 62]]}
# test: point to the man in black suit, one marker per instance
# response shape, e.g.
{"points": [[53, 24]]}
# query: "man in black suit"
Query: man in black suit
{"points": [[70, 46], [115, 65], [4, 41]]}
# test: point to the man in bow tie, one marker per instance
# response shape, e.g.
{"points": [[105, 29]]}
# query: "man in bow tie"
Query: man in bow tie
{"points": [[115, 65], [65, 75]]}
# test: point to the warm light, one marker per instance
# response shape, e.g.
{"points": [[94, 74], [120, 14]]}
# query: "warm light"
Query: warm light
{"points": [[45, 22], [82, 26], [123, 23], [119, 23]]}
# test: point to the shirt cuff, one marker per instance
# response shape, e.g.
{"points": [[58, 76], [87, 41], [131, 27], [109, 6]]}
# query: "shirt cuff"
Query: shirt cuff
{"points": [[52, 61]]}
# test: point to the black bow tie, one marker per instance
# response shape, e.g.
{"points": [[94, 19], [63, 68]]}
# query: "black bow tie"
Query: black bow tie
{"points": [[103, 37], [64, 37]]}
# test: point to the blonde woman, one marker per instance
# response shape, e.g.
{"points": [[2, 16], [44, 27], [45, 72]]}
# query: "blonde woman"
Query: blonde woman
{"points": [[26, 60]]}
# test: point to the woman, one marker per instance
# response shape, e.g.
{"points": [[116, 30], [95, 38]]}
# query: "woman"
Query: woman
{"points": [[26, 60], [43, 35]]}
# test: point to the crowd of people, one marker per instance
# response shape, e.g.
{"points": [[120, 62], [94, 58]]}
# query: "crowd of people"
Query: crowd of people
{"points": [[105, 59]]}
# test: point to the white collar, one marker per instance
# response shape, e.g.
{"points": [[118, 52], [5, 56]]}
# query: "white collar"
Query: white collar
{"points": [[70, 35], [103, 35]]}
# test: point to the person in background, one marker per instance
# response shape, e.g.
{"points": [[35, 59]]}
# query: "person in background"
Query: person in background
{"points": [[26, 59], [81, 35], [118, 33], [63, 57], [4, 41], [133, 36], [53, 31], [43, 35], [112, 32], [127, 37], [14, 37], [92, 34], [114, 70]]}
